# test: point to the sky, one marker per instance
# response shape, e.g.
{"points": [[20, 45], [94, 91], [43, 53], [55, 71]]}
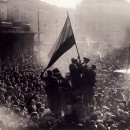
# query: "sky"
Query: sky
{"points": [[63, 3]]}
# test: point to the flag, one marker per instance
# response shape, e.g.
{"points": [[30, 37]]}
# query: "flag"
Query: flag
{"points": [[64, 42]]}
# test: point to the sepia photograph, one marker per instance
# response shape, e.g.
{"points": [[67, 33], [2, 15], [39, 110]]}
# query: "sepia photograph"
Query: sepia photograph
{"points": [[64, 64]]}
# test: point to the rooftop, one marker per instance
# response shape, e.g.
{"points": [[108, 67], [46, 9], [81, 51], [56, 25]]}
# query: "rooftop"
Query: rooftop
{"points": [[3, 0]]}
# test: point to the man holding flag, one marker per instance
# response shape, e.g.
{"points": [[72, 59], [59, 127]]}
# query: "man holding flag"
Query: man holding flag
{"points": [[64, 42]]}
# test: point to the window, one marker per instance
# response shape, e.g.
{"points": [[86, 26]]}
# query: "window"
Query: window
{"points": [[1, 14]]}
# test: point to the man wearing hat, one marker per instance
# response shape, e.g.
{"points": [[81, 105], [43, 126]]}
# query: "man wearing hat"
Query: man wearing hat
{"points": [[89, 79], [85, 61], [85, 69], [91, 83], [52, 91]]}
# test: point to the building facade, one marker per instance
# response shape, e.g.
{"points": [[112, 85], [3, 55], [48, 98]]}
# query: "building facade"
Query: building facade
{"points": [[51, 18], [103, 21], [3, 10]]}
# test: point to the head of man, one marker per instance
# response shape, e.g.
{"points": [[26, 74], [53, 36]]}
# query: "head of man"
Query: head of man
{"points": [[56, 70], [49, 72], [73, 60], [57, 73], [86, 60], [93, 67], [67, 76]]}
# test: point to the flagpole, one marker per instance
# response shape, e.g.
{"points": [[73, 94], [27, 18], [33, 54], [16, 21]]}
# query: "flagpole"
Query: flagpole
{"points": [[77, 52], [75, 42]]}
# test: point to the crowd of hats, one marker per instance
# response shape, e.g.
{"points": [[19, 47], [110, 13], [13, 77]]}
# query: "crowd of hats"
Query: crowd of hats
{"points": [[24, 106]]}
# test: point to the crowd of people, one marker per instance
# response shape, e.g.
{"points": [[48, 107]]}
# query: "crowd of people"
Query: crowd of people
{"points": [[62, 91], [80, 100], [22, 92]]}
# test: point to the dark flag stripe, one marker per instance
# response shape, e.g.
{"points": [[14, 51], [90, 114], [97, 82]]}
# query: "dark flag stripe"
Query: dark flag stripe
{"points": [[63, 48]]}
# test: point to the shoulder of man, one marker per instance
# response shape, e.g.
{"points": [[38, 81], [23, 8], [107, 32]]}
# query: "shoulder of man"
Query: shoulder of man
{"points": [[72, 66]]}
